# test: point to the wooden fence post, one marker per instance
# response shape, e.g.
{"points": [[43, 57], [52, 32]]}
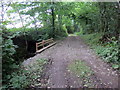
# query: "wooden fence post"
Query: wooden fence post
{"points": [[43, 43], [36, 46]]}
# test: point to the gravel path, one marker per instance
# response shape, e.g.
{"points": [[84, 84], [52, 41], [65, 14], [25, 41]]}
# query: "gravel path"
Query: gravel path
{"points": [[66, 51]]}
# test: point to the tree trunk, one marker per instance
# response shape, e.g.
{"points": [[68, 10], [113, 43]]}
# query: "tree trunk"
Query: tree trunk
{"points": [[60, 21], [53, 19]]}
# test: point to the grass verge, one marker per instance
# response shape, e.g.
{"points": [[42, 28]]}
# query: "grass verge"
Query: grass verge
{"points": [[81, 70], [108, 51]]}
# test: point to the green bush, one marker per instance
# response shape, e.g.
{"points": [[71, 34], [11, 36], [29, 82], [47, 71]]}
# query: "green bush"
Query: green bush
{"points": [[18, 80], [108, 51], [25, 76], [40, 34], [92, 39], [61, 33], [110, 54], [70, 29], [37, 35], [8, 50]]}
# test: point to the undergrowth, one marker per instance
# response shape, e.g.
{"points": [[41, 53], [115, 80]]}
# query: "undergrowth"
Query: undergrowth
{"points": [[108, 51], [24, 77]]}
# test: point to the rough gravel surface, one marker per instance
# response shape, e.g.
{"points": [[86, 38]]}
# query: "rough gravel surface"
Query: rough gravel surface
{"points": [[66, 51]]}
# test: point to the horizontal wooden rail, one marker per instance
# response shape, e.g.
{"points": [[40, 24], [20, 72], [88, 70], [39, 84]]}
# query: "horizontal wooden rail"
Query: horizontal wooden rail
{"points": [[48, 43]]}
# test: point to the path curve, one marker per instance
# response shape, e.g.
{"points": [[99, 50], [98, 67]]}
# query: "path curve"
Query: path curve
{"points": [[70, 49]]}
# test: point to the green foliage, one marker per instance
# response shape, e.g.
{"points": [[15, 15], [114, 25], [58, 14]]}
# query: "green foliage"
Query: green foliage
{"points": [[92, 38], [19, 80], [109, 54], [31, 33], [81, 70], [70, 29], [37, 35], [8, 49], [109, 51], [61, 33], [25, 76], [89, 18]]}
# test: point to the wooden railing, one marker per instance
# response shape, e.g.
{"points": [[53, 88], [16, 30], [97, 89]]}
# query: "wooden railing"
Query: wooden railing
{"points": [[44, 44]]}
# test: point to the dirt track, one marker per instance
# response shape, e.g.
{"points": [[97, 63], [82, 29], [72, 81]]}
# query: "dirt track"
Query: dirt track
{"points": [[70, 49]]}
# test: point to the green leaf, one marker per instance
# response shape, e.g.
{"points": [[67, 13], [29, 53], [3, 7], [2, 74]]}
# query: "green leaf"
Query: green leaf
{"points": [[115, 66]]}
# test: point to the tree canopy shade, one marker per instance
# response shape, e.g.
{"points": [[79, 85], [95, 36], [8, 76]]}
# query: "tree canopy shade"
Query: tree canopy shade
{"points": [[94, 16], [25, 23]]}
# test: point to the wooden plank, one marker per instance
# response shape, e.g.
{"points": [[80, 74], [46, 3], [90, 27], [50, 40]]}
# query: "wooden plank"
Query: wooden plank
{"points": [[38, 51], [45, 41], [36, 46], [42, 44], [39, 43]]}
